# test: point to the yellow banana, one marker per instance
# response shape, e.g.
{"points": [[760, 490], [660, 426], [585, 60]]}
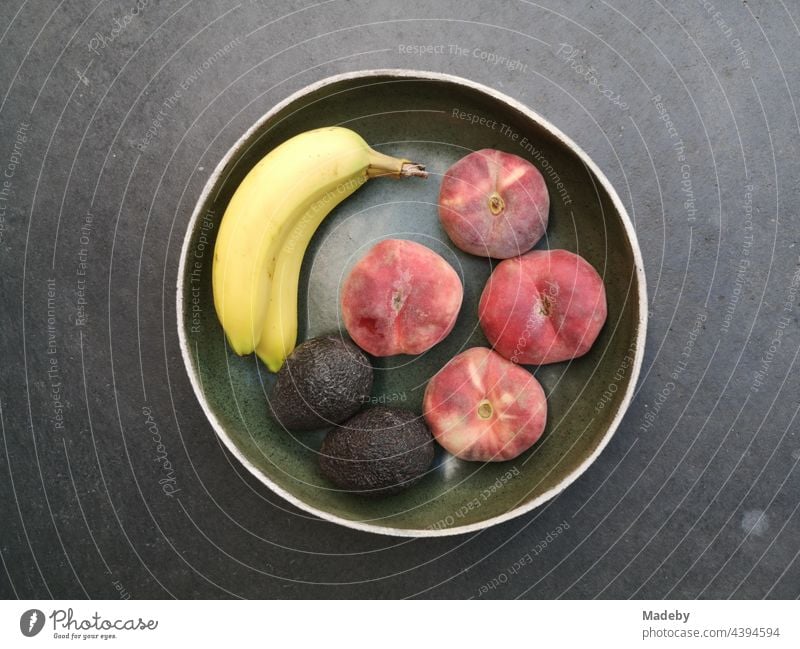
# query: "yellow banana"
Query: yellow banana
{"points": [[281, 202]]}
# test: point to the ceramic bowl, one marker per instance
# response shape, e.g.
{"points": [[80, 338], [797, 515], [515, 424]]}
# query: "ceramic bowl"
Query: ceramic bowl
{"points": [[436, 119]]}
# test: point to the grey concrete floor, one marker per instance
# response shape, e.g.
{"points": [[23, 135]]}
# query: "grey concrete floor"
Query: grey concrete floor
{"points": [[693, 117]]}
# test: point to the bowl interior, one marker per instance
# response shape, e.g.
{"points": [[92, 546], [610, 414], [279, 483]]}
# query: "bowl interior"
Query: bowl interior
{"points": [[437, 122]]}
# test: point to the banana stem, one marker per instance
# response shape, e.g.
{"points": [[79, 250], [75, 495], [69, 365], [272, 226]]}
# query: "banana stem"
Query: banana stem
{"points": [[381, 164], [414, 169]]}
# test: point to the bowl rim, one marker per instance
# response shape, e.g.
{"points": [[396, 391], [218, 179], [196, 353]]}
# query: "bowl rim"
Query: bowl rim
{"points": [[641, 329]]}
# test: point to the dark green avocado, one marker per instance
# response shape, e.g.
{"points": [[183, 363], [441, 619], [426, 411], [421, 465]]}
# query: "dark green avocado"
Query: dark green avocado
{"points": [[379, 452], [323, 382]]}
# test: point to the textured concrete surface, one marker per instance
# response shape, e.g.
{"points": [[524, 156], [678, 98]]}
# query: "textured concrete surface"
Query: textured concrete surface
{"points": [[110, 121]]}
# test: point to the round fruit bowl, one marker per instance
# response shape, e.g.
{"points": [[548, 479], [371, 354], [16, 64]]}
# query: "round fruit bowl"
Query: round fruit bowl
{"points": [[436, 119]]}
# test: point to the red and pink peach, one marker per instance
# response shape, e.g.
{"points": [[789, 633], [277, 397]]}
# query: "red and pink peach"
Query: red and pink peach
{"points": [[494, 204], [482, 407], [544, 307], [400, 298]]}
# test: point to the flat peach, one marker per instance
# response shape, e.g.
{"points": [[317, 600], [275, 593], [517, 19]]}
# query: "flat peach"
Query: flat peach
{"points": [[400, 298], [544, 307], [494, 204], [482, 407]]}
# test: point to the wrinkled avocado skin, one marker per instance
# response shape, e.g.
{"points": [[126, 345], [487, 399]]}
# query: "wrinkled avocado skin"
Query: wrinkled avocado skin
{"points": [[379, 452], [323, 382]]}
